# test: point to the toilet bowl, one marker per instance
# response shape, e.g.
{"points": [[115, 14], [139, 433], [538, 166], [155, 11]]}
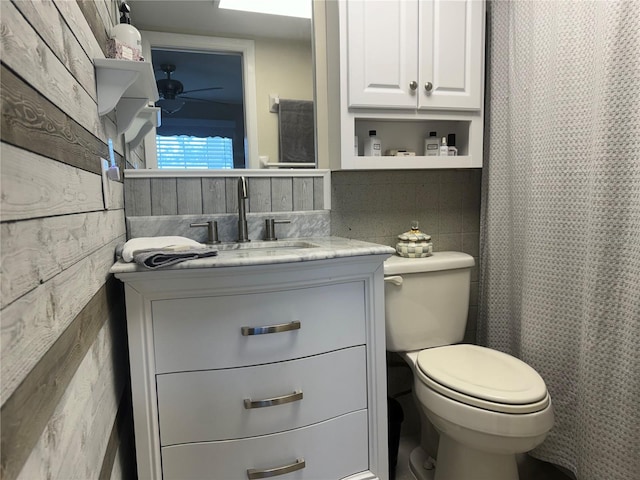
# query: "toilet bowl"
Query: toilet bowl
{"points": [[487, 406]]}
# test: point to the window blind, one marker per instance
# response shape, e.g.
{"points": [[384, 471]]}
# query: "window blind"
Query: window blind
{"points": [[183, 151]]}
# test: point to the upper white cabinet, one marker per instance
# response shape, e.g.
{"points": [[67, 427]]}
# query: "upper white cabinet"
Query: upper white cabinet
{"points": [[382, 52], [415, 54], [404, 68], [451, 52]]}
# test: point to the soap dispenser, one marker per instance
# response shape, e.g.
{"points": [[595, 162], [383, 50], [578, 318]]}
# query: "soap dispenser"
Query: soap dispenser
{"points": [[124, 32]]}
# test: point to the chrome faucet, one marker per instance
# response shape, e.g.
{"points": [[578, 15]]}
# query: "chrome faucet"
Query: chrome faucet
{"points": [[243, 231]]}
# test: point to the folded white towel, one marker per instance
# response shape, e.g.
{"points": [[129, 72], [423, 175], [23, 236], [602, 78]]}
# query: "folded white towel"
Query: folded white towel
{"points": [[135, 245]]}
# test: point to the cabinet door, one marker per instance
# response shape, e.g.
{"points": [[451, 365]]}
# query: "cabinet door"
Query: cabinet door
{"points": [[451, 54], [382, 53]]}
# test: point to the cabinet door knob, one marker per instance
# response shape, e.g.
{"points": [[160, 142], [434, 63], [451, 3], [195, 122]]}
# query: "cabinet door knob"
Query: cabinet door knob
{"points": [[413, 85], [428, 86]]}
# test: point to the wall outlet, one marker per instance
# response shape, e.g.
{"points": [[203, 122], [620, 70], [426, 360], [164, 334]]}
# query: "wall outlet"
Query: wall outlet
{"points": [[106, 194]]}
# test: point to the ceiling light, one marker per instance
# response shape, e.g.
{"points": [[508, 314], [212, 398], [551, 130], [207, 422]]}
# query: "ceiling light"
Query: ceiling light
{"points": [[287, 8], [170, 105]]}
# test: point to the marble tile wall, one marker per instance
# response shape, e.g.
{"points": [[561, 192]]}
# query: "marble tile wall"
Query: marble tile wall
{"points": [[298, 224], [378, 205]]}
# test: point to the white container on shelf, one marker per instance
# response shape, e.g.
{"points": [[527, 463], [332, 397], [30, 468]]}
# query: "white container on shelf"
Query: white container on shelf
{"points": [[431, 144], [444, 150], [372, 145]]}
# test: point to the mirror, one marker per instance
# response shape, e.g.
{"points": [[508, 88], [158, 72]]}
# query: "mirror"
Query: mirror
{"points": [[276, 58]]}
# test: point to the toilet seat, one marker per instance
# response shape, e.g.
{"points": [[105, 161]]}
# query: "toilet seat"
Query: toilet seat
{"points": [[484, 378]]}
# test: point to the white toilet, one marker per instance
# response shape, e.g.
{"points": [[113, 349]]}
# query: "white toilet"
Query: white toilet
{"points": [[487, 406]]}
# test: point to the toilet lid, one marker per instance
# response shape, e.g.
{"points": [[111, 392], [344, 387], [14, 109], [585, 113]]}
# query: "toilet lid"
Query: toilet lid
{"points": [[483, 377]]}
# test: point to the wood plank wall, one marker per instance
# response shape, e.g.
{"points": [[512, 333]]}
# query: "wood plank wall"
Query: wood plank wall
{"points": [[209, 195], [66, 404]]}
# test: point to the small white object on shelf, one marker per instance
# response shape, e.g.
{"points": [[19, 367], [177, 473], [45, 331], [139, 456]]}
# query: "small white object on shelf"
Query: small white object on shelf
{"points": [[444, 150], [372, 145], [274, 103]]}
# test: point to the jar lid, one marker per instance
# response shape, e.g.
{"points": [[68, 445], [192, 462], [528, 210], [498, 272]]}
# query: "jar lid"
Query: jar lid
{"points": [[414, 235]]}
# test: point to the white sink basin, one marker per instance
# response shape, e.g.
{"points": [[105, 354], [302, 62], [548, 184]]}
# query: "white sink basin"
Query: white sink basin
{"points": [[276, 247]]}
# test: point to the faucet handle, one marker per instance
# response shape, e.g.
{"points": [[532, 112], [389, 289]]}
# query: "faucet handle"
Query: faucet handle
{"points": [[270, 228], [212, 231]]}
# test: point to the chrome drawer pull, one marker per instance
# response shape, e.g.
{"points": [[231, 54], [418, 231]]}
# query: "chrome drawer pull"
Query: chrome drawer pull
{"points": [[283, 327], [274, 472], [270, 402]]}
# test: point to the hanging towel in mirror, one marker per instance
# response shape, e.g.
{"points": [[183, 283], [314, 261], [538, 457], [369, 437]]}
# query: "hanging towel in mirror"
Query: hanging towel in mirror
{"points": [[296, 129]]}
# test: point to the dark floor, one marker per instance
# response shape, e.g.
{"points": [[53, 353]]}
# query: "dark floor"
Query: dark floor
{"points": [[528, 467], [533, 469]]}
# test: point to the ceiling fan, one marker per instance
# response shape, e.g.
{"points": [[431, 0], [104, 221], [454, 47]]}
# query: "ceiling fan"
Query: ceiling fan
{"points": [[172, 92]]}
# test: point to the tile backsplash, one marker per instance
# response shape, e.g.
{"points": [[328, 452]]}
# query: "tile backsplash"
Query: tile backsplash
{"points": [[214, 195], [376, 206]]}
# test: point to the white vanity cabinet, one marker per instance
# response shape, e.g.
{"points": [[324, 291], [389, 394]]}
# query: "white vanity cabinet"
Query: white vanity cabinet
{"points": [[259, 371], [405, 68], [415, 54]]}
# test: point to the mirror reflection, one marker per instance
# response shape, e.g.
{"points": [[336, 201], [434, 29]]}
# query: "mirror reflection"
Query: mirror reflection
{"points": [[201, 97], [206, 105]]}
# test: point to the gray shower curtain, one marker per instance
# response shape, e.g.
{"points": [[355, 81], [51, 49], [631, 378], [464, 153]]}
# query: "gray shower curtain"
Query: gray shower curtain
{"points": [[560, 241]]}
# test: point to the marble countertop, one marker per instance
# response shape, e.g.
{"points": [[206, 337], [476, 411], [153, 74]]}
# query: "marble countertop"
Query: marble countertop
{"points": [[288, 250]]}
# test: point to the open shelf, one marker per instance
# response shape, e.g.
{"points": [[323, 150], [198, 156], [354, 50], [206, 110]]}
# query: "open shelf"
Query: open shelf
{"points": [[409, 163], [144, 121], [410, 134], [397, 131], [125, 85]]}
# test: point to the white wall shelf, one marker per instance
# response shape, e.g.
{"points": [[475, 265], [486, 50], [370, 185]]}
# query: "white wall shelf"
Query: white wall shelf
{"points": [[147, 119], [409, 163], [126, 86]]}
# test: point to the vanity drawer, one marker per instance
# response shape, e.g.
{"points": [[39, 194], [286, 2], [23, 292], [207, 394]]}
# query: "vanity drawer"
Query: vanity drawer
{"points": [[331, 450], [206, 333], [209, 405]]}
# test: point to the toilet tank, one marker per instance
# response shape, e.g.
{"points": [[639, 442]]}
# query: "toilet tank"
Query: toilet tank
{"points": [[426, 300]]}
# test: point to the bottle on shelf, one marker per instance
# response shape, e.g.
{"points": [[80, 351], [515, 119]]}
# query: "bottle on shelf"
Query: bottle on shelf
{"points": [[451, 142], [444, 150], [431, 144], [372, 145], [125, 42]]}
